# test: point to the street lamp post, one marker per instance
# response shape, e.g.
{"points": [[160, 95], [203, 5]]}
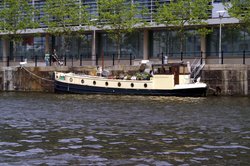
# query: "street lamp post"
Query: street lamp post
{"points": [[93, 51], [221, 14]]}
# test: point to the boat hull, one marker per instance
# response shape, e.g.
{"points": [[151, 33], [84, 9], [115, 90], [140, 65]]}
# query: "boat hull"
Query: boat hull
{"points": [[62, 87]]}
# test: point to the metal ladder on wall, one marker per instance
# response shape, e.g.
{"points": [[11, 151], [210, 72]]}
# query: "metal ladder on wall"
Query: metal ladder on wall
{"points": [[196, 67]]}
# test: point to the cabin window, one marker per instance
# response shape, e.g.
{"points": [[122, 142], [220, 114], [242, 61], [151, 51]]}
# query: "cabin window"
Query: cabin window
{"points": [[82, 81], [145, 85], [106, 83], [183, 70], [94, 83], [132, 85], [71, 79], [119, 84]]}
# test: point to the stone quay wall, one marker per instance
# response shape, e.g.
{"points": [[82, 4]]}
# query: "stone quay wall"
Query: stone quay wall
{"points": [[227, 79], [222, 79]]}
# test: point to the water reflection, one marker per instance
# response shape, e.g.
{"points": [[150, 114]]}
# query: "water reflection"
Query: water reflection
{"points": [[123, 130]]}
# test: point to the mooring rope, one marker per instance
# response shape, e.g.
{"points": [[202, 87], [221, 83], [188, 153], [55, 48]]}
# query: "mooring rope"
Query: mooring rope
{"points": [[45, 79]]}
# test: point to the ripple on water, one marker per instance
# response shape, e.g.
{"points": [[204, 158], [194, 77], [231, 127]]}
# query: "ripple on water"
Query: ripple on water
{"points": [[118, 130], [117, 143], [151, 162], [75, 147], [158, 133], [12, 144], [31, 141], [201, 158], [201, 150], [169, 139], [70, 140], [93, 146], [29, 152], [91, 138], [226, 147], [107, 133], [65, 159], [35, 131], [8, 152]]}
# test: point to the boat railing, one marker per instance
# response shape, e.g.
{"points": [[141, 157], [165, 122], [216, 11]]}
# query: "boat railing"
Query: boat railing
{"points": [[196, 67]]}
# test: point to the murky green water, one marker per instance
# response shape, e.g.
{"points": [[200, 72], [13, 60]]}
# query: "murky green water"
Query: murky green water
{"points": [[57, 129]]}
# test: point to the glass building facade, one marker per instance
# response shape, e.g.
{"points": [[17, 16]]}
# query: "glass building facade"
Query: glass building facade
{"points": [[169, 43], [162, 40], [234, 41], [131, 44]]}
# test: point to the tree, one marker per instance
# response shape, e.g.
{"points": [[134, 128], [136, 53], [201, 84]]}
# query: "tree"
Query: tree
{"points": [[178, 14], [64, 18], [15, 18], [118, 18], [240, 9]]}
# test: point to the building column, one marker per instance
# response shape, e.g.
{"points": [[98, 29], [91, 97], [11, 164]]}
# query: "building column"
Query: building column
{"points": [[203, 48], [93, 49], [6, 51], [145, 44]]}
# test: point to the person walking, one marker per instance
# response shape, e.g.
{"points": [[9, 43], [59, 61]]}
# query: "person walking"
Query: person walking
{"points": [[47, 58]]}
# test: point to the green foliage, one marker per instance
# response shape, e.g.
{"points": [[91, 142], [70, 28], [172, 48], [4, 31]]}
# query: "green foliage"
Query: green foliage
{"points": [[204, 31], [118, 17], [16, 16], [61, 17], [180, 13], [240, 9], [183, 12]]}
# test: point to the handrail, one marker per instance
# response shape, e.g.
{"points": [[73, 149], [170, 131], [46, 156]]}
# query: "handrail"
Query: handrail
{"points": [[196, 66]]}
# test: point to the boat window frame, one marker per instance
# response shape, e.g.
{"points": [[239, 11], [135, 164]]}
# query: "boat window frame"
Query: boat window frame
{"points": [[168, 69]]}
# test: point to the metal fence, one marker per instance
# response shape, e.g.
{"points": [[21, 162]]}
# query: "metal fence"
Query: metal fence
{"points": [[128, 59]]}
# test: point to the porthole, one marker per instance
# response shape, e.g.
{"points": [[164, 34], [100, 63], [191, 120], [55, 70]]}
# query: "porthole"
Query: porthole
{"points": [[132, 85], [145, 85], [82, 81], [94, 83], [106, 83], [57, 77], [71, 79], [119, 84]]}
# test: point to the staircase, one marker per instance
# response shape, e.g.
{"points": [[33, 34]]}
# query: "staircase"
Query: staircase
{"points": [[196, 67]]}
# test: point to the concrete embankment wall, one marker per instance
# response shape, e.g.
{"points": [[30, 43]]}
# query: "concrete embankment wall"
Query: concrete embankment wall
{"points": [[233, 79], [222, 79], [40, 79], [33, 78]]}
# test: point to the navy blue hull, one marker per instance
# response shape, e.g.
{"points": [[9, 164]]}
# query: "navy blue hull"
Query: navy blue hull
{"points": [[61, 87]]}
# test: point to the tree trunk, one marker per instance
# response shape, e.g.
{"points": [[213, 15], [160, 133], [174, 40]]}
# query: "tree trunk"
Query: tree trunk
{"points": [[119, 52]]}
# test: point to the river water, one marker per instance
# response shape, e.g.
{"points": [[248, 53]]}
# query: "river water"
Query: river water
{"points": [[58, 129]]}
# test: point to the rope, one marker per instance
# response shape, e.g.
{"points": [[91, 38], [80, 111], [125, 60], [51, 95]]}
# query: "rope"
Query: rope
{"points": [[36, 75]]}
